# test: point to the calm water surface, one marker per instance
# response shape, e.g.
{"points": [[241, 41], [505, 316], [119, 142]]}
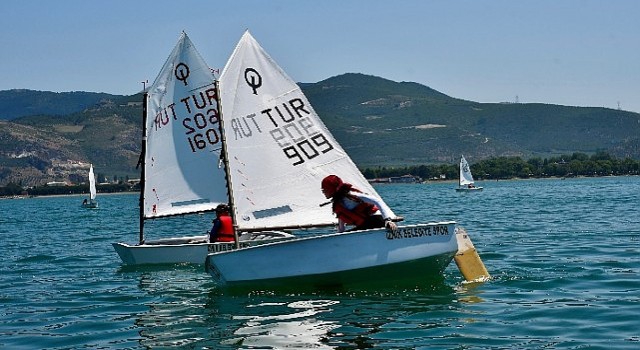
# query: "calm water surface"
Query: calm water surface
{"points": [[564, 256]]}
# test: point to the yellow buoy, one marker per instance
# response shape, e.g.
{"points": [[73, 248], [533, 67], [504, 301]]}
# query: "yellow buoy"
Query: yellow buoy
{"points": [[468, 260]]}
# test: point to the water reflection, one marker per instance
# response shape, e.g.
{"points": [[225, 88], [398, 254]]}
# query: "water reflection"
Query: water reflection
{"points": [[174, 300], [325, 320], [293, 325], [179, 306]]}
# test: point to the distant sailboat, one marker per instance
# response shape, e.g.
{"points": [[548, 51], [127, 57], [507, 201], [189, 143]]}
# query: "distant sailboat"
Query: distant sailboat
{"points": [[466, 182], [91, 202]]}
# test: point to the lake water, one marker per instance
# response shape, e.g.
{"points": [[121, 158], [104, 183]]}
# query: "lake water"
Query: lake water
{"points": [[564, 256]]}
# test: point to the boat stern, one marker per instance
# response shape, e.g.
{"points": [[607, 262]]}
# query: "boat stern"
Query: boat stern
{"points": [[124, 251], [211, 269]]}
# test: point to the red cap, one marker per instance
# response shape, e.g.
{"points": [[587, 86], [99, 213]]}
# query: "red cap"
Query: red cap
{"points": [[330, 185]]}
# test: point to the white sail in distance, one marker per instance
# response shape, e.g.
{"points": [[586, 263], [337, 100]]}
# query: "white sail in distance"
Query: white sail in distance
{"points": [[182, 161], [279, 150], [465, 172], [92, 183]]}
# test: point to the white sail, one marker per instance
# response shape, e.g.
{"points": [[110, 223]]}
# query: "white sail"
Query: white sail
{"points": [[279, 150], [182, 172], [92, 184], [465, 172]]}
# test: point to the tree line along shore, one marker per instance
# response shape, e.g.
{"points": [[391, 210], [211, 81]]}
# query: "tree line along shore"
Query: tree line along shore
{"points": [[501, 168]]}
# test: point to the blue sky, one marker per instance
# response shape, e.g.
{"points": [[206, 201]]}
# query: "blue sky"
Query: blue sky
{"points": [[570, 52]]}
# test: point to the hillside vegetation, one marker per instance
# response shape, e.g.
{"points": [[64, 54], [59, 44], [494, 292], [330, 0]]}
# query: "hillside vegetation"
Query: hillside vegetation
{"points": [[20, 102], [379, 123]]}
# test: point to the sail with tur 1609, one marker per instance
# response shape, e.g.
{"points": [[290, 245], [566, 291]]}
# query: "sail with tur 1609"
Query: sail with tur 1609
{"points": [[181, 162], [182, 157]]}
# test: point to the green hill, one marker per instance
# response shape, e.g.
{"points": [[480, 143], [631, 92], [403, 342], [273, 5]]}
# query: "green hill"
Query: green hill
{"points": [[410, 124], [21, 102], [378, 121]]}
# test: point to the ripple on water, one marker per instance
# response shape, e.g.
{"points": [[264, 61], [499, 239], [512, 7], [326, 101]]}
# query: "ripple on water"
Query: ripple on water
{"points": [[563, 255]]}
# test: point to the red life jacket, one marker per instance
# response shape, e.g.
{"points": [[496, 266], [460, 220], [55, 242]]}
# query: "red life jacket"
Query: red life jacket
{"points": [[356, 216], [225, 233]]}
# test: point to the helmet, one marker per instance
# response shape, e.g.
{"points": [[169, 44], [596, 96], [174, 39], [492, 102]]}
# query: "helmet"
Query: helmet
{"points": [[222, 208], [331, 184]]}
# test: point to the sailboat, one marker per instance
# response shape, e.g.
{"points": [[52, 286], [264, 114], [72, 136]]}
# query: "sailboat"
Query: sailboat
{"points": [[466, 182], [91, 202], [182, 169], [279, 150]]}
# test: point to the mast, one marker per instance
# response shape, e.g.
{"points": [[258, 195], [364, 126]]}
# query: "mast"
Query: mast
{"points": [[142, 160], [460, 171], [225, 160]]}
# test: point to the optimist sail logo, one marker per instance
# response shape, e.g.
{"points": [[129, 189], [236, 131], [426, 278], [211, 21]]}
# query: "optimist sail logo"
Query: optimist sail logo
{"points": [[253, 79], [182, 72]]}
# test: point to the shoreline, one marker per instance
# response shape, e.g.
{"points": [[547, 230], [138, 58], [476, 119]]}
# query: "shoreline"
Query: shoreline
{"points": [[66, 195], [451, 181], [510, 179]]}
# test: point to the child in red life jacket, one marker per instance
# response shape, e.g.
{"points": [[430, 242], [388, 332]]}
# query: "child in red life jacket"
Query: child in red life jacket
{"points": [[352, 207], [222, 230]]}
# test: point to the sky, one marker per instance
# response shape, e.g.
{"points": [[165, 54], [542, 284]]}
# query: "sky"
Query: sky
{"points": [[567, 52]]}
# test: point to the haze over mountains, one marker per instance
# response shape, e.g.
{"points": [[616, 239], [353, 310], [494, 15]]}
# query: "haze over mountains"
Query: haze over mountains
{"points": [[46, 136]]}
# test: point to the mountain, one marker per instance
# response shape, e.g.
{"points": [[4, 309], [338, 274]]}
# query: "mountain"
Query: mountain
{"points": [[379, 122], [20, 102], [42, 148], [407, 123]]}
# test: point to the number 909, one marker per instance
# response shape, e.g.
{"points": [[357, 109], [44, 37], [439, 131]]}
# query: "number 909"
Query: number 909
{"points": [[308, 149]]}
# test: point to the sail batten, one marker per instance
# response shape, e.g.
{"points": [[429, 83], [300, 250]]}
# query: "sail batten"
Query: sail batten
{"points": [[269, 121], [183, 143]]}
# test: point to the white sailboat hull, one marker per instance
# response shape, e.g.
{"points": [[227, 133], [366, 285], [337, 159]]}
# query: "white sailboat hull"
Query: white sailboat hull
{"points": [[415, 252], [193, 249], [467, 189], [162, 253], [91, 204]]}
